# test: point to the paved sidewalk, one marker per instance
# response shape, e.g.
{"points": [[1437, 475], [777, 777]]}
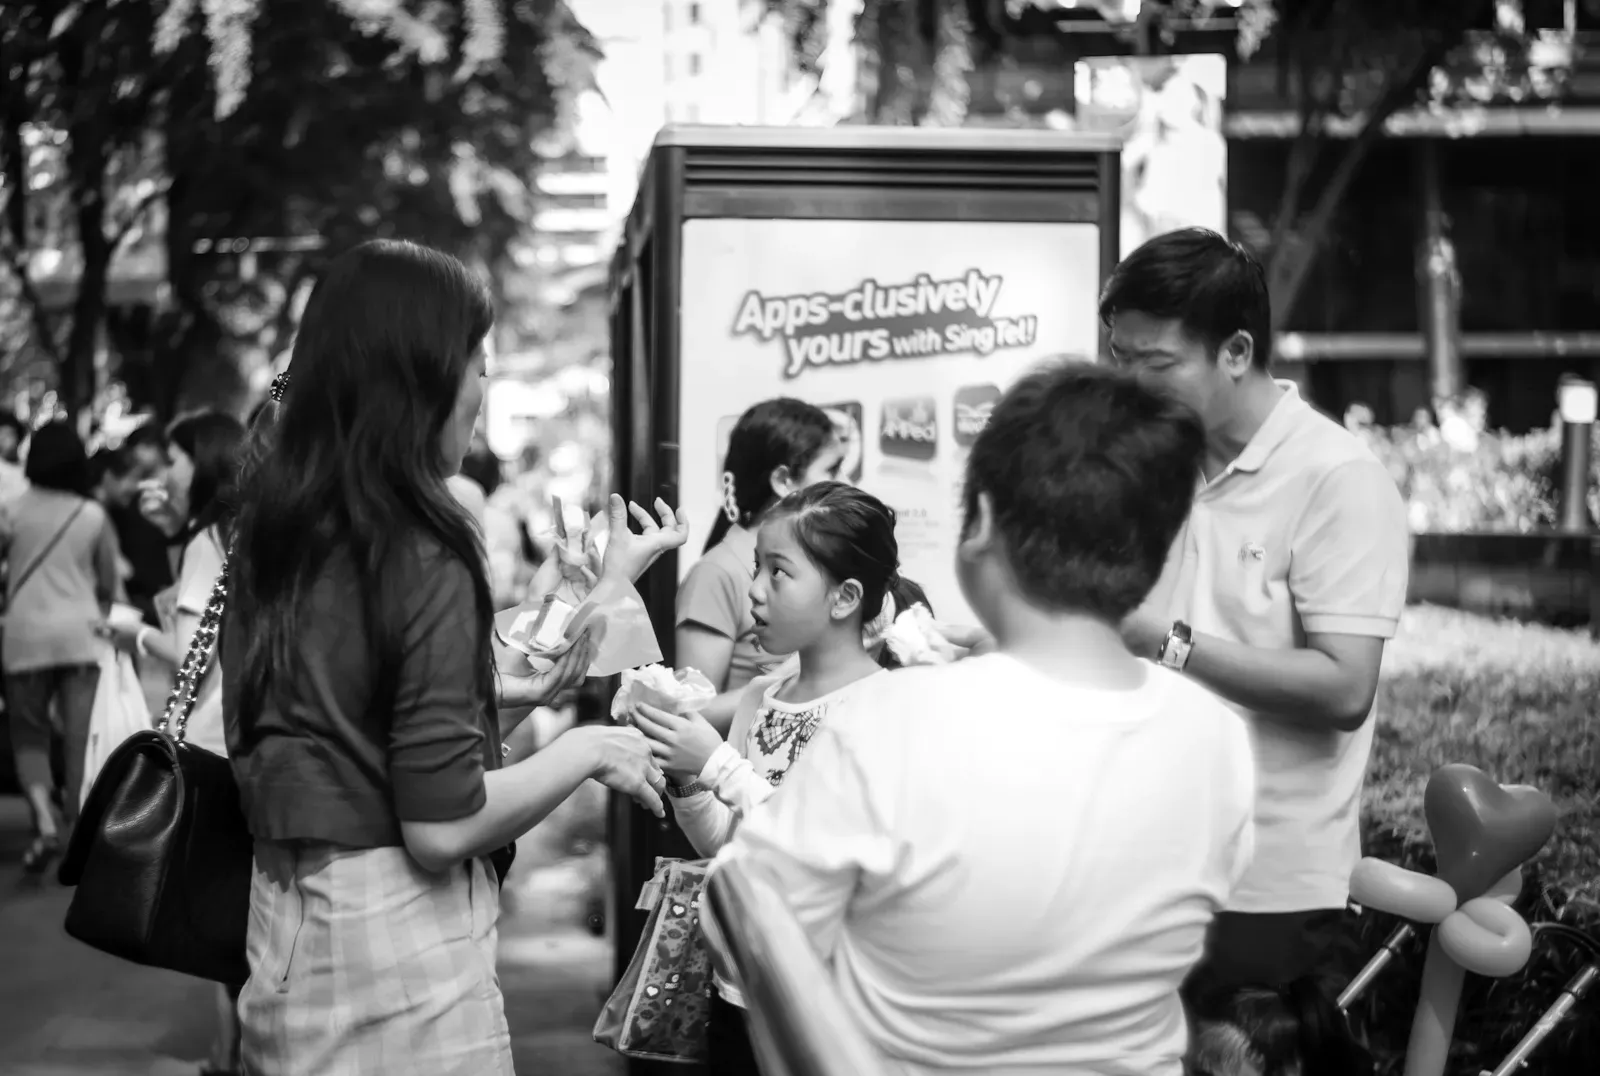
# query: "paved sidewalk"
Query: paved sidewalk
{"points": [[67, 1010]]}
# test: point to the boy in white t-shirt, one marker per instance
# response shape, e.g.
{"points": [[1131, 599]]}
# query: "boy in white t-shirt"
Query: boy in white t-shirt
{"points": [[1010, 862]]}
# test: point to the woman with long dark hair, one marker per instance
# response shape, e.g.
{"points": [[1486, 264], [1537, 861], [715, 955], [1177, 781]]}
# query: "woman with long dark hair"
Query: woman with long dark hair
{"points": [[777, 447], [361, 694], [61, 576]]}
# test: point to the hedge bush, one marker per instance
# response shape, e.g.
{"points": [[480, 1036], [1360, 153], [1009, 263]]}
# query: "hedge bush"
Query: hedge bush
{"points": [[1459, 476], [1520, 702]]}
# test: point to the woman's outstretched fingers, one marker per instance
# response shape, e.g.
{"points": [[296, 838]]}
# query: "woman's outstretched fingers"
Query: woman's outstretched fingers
{"points": [[646, 521]]}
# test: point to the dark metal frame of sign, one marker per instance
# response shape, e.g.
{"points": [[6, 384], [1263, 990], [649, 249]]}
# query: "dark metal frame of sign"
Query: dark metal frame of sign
{"points": [[837, 173]]}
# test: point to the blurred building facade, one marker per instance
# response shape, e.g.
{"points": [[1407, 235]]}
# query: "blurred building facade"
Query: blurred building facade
{"points": [[665, 61]]}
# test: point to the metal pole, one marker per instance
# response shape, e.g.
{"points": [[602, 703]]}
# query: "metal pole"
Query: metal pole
{"points": [[1553, 1016], [1576, 401], [1379, 961], [1440, 280]]}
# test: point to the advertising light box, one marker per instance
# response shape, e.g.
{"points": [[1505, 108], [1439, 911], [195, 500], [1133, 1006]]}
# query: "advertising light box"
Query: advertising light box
{"points": [[899, 278], [906, 332]]}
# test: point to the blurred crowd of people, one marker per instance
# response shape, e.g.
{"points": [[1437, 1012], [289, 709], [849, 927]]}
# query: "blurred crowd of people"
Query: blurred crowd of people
{"points": [[122, 544], [145, 509]]}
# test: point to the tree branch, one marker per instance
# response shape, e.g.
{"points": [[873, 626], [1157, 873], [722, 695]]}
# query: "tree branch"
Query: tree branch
{"points": [[1290, 268], [119, 235], [14, 169], [1303, 156], [43, 327]]}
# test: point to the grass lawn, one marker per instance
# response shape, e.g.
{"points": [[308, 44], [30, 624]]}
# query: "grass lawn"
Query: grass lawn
{"points": [[1520, 702]]}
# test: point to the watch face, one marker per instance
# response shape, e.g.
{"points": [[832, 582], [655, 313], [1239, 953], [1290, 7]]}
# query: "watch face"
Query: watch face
{"points": [[1177, 655]]}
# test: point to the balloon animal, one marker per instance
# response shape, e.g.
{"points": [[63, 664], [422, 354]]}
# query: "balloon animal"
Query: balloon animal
{"points": [[1483, 833]]}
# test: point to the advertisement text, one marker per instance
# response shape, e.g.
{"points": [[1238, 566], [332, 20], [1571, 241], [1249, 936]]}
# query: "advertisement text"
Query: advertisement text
{"points": [[874, 321]]}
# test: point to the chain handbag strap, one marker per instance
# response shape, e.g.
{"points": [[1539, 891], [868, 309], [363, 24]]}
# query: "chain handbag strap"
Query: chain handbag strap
{"points": [[180, 704]]}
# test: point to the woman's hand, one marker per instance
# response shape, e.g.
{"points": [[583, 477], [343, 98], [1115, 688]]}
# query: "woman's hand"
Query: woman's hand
{"points": [[572, 559], [622, 762], [157, 506], [122, 636], [539, 688], [682, 745], [629, 555]]}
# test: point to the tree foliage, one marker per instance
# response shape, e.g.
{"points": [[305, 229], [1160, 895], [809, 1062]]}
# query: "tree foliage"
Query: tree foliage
{"points": [[1346, 66], [168, 123]]}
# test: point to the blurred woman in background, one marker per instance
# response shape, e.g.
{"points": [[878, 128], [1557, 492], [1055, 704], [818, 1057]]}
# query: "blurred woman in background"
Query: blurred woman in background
{"points": [[61, 555], [195, 501]]}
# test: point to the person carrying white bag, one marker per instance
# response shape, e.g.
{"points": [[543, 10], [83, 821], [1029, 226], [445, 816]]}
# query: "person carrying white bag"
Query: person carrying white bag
{"points": [[119, 708]]}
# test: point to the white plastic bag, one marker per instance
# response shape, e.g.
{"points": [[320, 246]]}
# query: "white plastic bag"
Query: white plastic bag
{"points": [[613, 613], [119, 712]]}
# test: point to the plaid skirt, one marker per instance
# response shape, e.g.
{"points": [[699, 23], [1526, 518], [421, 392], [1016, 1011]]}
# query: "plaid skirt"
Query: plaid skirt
{"points": [[361, 962]]}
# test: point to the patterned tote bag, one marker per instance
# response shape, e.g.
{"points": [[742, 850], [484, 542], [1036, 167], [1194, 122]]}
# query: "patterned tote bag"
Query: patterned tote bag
{"points": [[660, 1009]]}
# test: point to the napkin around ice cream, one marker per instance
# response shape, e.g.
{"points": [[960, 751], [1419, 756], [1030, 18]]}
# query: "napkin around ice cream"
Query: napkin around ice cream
{"points": [[679, 691]]}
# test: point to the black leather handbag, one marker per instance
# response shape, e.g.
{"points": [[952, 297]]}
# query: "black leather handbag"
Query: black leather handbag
{"points": [[161, 855]]}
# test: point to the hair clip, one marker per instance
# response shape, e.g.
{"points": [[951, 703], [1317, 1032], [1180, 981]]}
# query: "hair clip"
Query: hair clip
{"points": [[279, 385]]}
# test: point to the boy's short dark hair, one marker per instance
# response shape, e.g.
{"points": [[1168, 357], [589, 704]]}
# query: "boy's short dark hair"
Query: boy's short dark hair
{"points": [[1091, 475], [1211, 285]]}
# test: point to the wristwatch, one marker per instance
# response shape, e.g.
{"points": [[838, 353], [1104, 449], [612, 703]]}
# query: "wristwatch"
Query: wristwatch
{"points": [[679, 792], [1174, 652]]}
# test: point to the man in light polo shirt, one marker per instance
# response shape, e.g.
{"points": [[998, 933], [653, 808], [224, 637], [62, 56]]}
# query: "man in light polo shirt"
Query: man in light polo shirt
{"points": [[1278, 595]]}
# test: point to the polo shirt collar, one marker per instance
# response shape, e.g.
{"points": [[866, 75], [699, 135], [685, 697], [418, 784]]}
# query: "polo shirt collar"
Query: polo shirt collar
{"points": [[1281, 422]]}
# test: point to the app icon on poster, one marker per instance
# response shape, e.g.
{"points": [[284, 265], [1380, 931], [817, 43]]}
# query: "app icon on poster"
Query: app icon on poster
{"points": [[910, 428], [847, 420], [972, 408]]}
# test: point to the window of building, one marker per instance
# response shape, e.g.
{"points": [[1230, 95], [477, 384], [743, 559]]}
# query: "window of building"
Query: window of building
{"points": [[694, 63], [575, 201], [691, 113], [571, 237], [694, 14], [574, 162]]}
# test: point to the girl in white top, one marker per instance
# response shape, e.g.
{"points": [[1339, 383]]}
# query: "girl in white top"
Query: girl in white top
{"points": [[826, 569]]}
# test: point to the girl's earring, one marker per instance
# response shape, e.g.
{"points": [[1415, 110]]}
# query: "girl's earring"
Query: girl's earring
{"points": [[730, 501]]}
